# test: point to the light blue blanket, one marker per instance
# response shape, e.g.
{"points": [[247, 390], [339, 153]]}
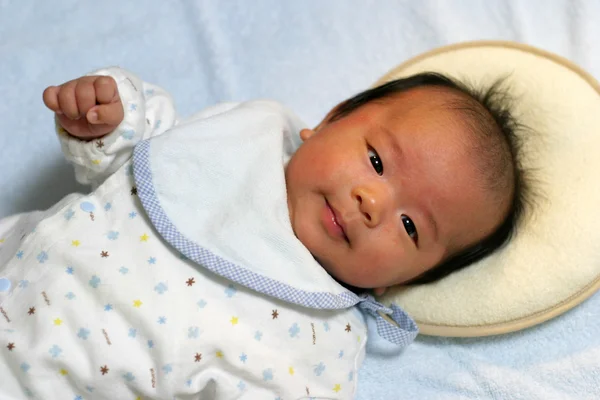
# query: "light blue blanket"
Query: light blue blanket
{"points": [[308, 54]]}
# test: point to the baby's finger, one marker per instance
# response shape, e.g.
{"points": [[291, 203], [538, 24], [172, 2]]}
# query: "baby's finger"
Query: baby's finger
{"points": [[85, 95], [67, 100], [50, 97], [107, 114], [106, 90]]}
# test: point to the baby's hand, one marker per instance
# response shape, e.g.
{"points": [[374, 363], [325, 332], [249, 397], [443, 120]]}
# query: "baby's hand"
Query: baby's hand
{"points": [[88, 107]]}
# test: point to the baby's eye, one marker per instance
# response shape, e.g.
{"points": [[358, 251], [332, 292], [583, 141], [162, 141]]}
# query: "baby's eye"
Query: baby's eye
{"points": [[375, 161], [410, 227]]}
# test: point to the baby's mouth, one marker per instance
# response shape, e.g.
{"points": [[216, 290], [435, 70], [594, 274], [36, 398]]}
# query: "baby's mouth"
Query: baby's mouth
{"points": [[337, 222]]}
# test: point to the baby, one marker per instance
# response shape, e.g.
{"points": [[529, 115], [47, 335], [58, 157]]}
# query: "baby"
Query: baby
{"points": [[223, 259]]}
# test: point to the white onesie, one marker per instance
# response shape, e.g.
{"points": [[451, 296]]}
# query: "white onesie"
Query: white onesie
{"points": [[178, 277]]}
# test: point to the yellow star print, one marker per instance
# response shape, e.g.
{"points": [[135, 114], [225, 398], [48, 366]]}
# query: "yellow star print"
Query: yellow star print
{"points": [[358, 339], [64, 372], [96, 162], [58, 322], [234, 320], [144, 238], [219, 354], [137, 303], [2, 240], [75, 243], [337, 387], [291, 370]]}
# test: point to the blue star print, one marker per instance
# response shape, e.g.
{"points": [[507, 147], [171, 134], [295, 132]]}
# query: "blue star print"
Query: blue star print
{"points": [[148, 92], [258, 335], [25, 367], [150, 344], [108, 307], [132, 332], [268, 375], [167, 369], [83, 333], [112, 235], [69, 214], [326, 326], [107, 207], [294, 330], [243, 358], [23, 284], [94, 282], [89, 389], [129, 377], [132, 107], [55, 351], [78, 398], [152, 260], [123, 270], [319, 369], [162, 320], [350, 376], [69, 270], [241, 386], [341, 354], [188, 383], [157, 124], [230, 291], [201, 303], [161, 288], [42, 257], [132, 215], [128, 134], [70, 295], [20, 254], [193, 332]]}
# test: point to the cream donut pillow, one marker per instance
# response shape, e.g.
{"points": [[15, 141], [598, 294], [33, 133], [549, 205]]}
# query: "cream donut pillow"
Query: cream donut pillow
{"points": [[553, 262]]}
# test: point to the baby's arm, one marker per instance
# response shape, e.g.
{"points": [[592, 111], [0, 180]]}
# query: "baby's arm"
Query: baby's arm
{"points": [[101, 117]]}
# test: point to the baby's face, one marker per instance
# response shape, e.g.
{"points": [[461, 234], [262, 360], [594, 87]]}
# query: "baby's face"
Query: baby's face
{"points": [[388, 191]]}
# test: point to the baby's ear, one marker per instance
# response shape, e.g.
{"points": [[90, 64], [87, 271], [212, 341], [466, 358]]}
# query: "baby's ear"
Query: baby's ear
{"points": [[306, 134], [379, 291]]}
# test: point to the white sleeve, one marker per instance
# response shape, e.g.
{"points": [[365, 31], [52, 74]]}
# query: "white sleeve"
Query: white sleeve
{"points": [[148, 111]]}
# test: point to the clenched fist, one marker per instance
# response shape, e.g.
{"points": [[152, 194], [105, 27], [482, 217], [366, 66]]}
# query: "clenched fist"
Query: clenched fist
{"points": [[88, 107]]}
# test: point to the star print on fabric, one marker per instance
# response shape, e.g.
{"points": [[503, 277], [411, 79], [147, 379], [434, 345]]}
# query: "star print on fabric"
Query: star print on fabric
{"points": [[20, 254], [133, 191], [337, 388], [58, 322], [75, 243], [2, 240], [234, 320], [144, 238], [162, 320], [190, 281], [275, 314], [243, 358], [219, 354], [132, 215], [198, 357], [31, 311], [348, 328], [99, 144], [104, 254], [78, 397], [108, 307], [291, 370], [358, 339], [69, 270], [137, 303], [152, 260], [64, 372], [96, 162], [10, 346]]}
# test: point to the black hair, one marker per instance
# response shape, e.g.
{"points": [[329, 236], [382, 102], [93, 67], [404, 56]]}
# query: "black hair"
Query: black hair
{"points": [[490, 117]]}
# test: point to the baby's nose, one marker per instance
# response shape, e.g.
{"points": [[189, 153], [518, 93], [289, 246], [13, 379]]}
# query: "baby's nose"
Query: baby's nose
{"points": [[371, 203]]}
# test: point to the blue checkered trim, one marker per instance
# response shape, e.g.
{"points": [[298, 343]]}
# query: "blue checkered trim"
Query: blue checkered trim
{"points": [[214, 263], [402, 334]]}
